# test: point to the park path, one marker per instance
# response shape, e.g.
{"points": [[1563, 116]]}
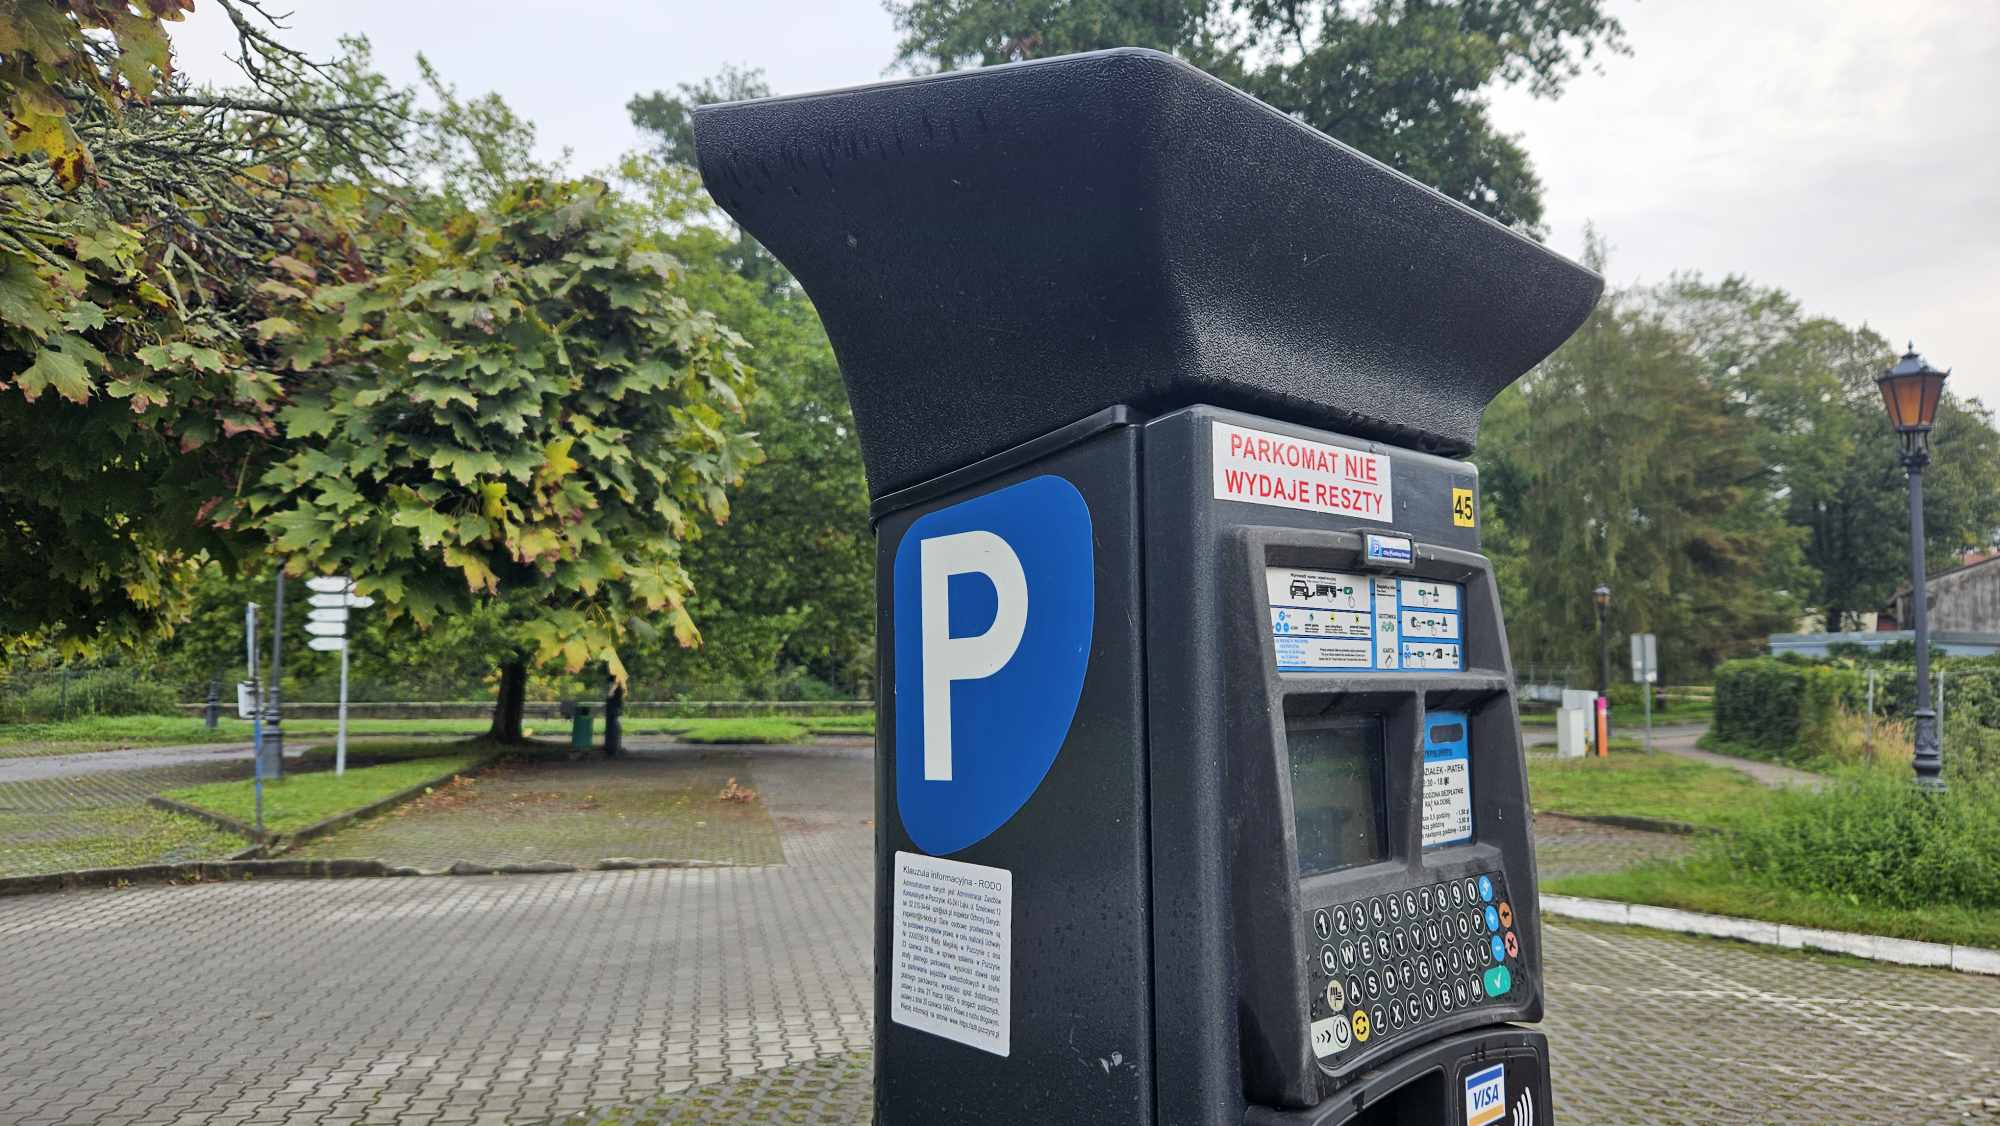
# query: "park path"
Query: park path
{"points": [[1680, 739]]}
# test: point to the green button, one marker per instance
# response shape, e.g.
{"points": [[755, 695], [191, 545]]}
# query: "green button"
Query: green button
{"points": [[1498, 981]]}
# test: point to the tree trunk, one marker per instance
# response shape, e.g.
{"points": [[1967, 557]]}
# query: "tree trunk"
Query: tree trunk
{"points": [[510, 702], [1834, 614], [614, 727]]}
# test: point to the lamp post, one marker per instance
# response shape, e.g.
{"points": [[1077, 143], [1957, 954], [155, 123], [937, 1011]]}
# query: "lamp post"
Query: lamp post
{"points": [[1601, 598], [1910, 391]]}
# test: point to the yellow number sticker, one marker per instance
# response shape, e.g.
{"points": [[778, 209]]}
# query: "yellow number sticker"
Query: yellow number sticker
{"points": [[1462, 511]]}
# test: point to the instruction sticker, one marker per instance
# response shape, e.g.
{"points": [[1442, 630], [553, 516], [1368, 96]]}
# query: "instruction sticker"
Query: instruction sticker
{"points": [[1447, 779], [1261, 468], [953, 950], [1328, 621]]}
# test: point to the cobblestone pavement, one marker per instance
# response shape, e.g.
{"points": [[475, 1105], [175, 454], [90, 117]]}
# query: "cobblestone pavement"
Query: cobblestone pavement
{"points": [[652, 803], [1565, 846], [742, 995]]}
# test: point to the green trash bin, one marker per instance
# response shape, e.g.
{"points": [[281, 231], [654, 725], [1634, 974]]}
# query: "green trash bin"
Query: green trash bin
{"points": [[580, 735]]}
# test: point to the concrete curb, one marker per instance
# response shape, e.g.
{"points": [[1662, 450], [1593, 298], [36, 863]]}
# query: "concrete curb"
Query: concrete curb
{"points": [[1875, 948], [236, 868]]}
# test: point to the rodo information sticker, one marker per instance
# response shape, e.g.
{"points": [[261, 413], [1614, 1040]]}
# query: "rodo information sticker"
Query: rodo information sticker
{"points": [[953, 950]]}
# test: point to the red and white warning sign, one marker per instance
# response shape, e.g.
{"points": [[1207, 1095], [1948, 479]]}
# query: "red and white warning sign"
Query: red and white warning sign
{"points": [[1261, 468]]}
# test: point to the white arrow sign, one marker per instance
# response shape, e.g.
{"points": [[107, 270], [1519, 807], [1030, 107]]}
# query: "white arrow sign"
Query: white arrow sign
{"points": [[329, 584], [327, 644], [327, 614], [328, 600], [327, 629], [360, 601]]}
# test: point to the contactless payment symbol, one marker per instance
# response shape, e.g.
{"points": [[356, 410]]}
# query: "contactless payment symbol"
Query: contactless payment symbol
{"points": [[993, 603]]}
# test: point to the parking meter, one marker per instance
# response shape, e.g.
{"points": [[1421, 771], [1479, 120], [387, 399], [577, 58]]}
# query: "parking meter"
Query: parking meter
{"points": [[1200, 789]]}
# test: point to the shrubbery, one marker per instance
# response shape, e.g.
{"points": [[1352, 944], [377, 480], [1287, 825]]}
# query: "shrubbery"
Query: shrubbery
{"points": [[1781, 706], [113, 691], [1870, 836]]}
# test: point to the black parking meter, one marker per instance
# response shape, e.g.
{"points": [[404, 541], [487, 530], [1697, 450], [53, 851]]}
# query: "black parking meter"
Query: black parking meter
{"points": [[1200, 785]]}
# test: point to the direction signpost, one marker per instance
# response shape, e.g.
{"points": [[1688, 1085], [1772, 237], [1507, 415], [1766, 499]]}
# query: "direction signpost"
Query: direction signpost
{"points": [[332, 597], [1646, 673]]}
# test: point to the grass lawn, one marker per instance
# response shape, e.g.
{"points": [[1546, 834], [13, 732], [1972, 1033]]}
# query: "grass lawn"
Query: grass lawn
{"points": [[1633, 783], [747, 729], [110, 733], [304, 799], [1633, 716], [1705, 884]]}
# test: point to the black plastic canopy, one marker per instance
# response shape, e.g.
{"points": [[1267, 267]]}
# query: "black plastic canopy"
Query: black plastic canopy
{"points": [[997, 253]]}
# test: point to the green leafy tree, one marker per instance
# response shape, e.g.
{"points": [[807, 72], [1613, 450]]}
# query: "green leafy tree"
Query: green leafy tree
{"points": [[1619, 460], [1405, 82], [786, 591], [1809, 382], [522, 410], [139, 219]]}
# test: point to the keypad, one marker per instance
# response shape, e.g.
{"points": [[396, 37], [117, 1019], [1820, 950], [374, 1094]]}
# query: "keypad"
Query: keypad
{"points": [[1395, 963]]}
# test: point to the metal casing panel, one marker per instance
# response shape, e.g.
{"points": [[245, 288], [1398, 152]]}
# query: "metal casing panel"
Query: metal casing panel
{"points": [[1081, 1048], [1229, 958]]}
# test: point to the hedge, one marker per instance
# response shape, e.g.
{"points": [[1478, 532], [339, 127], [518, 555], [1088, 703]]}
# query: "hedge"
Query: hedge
{"points": [[1781, 705]]}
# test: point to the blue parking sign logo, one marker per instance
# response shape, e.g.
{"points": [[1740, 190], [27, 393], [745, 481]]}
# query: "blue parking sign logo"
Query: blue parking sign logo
{"points": [[994, 603]]}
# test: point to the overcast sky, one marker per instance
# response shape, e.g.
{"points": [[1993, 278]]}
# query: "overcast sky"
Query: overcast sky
{"points": [[1845, 150]]}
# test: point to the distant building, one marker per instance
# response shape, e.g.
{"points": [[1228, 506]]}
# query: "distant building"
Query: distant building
{"points": [[1965, 598], [1964, 615]]}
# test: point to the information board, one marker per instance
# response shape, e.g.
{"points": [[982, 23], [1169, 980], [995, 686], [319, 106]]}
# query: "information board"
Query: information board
{"points": [[1327, 621]]}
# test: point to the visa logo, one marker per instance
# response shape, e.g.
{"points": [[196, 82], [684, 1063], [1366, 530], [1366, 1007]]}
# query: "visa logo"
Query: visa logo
{"points": [[1486, 1096]]}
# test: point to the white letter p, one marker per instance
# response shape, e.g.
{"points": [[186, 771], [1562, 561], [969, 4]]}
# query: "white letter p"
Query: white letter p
{"points": [[948, 658]]}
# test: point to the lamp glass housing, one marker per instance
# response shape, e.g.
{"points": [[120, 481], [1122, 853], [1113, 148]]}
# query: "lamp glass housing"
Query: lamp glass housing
{"points": [[1912, 398]]}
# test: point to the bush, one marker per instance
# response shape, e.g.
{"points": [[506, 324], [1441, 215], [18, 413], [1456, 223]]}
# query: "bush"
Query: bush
{"points": [[1871, 836], [117, 691], [1786, 707]]}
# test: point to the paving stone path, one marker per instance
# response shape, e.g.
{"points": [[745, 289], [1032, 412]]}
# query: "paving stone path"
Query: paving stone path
{"points": [[654, 803], [742, 995]]}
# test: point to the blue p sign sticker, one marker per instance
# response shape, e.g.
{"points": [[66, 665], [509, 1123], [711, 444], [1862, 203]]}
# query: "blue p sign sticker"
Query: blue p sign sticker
{"points": [[994, 603]]}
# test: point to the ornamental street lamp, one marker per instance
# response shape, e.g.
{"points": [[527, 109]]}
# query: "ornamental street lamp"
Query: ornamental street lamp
{"points": [[1601, 597], [1910, 391]]}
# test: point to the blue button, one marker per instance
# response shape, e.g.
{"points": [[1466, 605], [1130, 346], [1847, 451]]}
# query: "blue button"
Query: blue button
{"points": [[1492, 919], [1486, 889], [1499, 950]]}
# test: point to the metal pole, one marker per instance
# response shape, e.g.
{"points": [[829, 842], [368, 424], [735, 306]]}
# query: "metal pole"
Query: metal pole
{"points": [[1603, 681], [256, 712], [1646, 691], [274, 714], [1929, 758], [340, 739], [1870, 738], [214, 710]]}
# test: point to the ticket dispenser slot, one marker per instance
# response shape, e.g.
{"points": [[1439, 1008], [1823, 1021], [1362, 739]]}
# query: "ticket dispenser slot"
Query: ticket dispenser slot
{"points": [[1200, 795]]}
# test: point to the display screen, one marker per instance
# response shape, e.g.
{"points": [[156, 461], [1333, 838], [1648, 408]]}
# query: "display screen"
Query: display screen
{"points": [[1337, 792]]}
